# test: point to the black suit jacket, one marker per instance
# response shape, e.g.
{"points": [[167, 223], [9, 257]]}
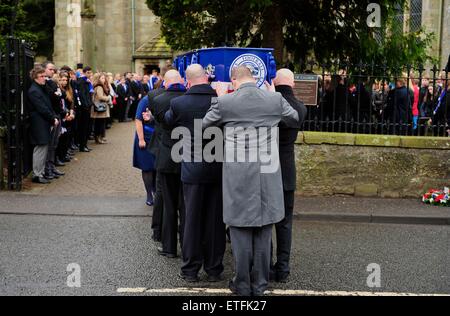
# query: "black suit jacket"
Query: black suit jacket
{"points": [[146, 89], [183, 111], [42, 114], [122, 94], [288, 137], [161, 104], [153, 147], [51, 87], [136, 90], [85, 94]]}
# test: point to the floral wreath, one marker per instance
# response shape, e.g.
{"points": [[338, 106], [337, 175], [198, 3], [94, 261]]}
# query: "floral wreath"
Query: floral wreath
{"points": [[437, 197]]}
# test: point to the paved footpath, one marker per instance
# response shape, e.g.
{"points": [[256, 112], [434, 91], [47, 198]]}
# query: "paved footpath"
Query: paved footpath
{"points": [[106, 171]]}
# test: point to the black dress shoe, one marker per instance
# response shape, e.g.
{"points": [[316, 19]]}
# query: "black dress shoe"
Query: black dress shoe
{"points": [[272, 276], [284, 278], [40, 180], [189, 278], [161, 252], [59, 163], [232, 287], [58, 173], [156, 238], [49, 176], [85, 150], [215, 278]]}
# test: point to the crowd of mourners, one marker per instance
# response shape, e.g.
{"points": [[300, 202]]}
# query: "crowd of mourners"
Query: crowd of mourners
{"points": [[402, 105], [68, 108]]}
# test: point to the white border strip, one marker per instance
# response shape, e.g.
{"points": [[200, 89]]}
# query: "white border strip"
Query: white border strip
{"points": [[272, 292]]}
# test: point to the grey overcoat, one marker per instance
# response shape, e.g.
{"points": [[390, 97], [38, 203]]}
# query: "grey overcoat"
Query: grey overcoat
{"points": [[252, 190]]}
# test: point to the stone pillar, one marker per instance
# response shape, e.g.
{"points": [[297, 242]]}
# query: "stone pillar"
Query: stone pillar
{"points": [[67, 32], [88, 56], [147, 27], [431, 20], [117, 37], [445, 34]]}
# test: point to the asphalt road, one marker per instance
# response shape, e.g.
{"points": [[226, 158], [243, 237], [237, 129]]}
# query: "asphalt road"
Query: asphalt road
{"points": [[115, 253]]}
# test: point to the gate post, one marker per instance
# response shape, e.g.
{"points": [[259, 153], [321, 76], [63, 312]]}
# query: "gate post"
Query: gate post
{"points": [[14, 108], [2, 156]]}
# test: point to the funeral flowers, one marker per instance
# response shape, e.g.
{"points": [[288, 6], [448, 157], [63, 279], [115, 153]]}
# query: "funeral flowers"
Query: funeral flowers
{"points": [[437, 197]]}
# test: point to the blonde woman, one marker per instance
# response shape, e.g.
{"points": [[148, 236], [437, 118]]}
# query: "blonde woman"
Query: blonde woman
{"points": [[102, 98]]}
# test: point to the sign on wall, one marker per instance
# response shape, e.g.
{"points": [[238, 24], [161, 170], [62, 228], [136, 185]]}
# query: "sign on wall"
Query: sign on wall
{"points": [[307, 88]]}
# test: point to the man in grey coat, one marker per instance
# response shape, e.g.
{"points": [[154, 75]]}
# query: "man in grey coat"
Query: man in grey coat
{"points": [[252, 186]]}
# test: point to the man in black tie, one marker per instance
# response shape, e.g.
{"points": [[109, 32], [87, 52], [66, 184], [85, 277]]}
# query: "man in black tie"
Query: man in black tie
{"points": [[146, 84], [136, 93], [123, 98]]}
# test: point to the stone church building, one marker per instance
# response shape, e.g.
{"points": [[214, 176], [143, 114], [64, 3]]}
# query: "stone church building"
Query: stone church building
{"points": [[109, 35]]}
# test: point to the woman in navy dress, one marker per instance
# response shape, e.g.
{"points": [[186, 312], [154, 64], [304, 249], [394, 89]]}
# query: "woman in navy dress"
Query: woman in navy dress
{"points": [[142, 158]]}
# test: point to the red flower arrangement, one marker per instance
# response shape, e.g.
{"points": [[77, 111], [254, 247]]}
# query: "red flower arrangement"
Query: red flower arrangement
{"points": [[437, 197]]}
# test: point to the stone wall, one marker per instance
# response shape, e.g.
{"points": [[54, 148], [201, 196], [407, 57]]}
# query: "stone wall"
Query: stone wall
{"points": [[369, 165]]}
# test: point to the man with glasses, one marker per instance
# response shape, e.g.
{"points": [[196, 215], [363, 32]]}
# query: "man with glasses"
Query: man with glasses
{"points": [[43, 119], [55, 95]]}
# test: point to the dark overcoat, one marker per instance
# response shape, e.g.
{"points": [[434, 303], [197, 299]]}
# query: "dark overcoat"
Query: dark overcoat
{"points": [[42, 115]]}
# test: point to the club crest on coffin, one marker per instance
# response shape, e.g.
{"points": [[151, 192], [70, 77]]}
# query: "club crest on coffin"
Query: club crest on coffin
{"points": [[256, 65]]}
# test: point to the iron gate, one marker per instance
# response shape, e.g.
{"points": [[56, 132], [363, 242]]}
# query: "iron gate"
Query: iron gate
{"points": [[16, 62]]}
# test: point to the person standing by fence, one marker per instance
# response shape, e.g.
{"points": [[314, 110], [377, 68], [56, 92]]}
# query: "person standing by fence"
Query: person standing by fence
{"points": [[43, 119], [55, 95]]}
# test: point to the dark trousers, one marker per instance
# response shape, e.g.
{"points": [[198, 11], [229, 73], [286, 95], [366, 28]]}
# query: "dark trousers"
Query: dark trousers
{"points": [[100, 127], [284, 238], [251, 251], [158, 209], [52, 146], [84, 117], [64, 143], [204, 230], [173, 214], [121, 109], [133, 109]]}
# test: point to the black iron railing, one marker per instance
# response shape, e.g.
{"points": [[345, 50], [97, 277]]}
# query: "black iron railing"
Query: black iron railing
{"points": [[374, 99], [16, 61]]}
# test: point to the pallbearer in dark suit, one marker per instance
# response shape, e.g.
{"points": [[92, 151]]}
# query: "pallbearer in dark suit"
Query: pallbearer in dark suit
{"points": [[204, 230], [153, 148], [170, 172], [252, 190], [284, 83]]}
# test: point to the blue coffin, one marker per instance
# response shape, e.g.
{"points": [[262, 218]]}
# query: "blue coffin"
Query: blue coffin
{"points": [[218, 62]]}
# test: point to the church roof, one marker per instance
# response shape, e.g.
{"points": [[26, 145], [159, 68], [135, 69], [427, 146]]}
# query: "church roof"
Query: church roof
{"points": [[154, 48]]}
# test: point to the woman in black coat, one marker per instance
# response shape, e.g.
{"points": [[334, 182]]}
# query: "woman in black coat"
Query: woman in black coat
{"points": [[42, 118]]}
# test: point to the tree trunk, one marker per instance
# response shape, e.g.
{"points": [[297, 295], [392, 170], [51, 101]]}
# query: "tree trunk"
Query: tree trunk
{"points": [[273, 31]]}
